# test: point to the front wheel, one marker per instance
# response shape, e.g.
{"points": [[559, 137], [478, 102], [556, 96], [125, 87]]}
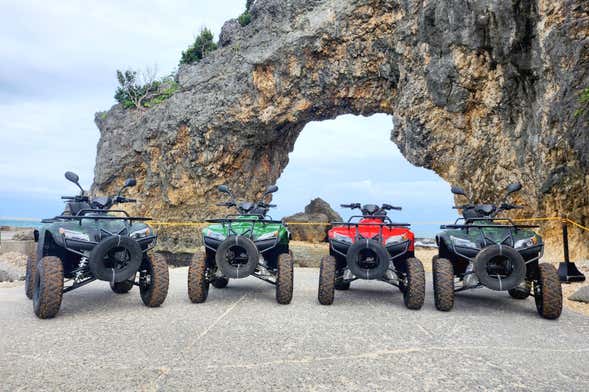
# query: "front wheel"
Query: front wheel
{"points": [[284, 279], [326, 280], [443, 274], [198, 284], [414, 290], [548, 292], [48, 287], [154, 280]]}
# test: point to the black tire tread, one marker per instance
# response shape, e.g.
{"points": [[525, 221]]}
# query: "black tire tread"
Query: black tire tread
{"points": [[326, 280], [414, 293], [549, 300], [198, 285], [157, 292], [443, 276], [284, 279], [50, 275], [30, 276]]}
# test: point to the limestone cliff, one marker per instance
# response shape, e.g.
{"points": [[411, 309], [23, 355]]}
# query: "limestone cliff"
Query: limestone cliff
{"points": [[483, 92]]}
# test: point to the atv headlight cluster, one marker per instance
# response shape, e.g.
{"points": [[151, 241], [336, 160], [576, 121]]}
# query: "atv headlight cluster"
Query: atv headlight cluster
{"points": [[526, 242], [213, 234], [268, 236], [396, 239], [140, 233], [463, 243], [342, 238], [74, 235]]}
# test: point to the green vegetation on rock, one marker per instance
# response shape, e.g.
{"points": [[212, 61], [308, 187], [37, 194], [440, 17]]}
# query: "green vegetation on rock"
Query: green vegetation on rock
{"points": [[245, 18], [203, 44], [145, 91]]}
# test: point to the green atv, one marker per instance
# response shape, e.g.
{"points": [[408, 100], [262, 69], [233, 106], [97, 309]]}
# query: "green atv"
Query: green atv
{"points": [[484, 250], [88, 242], [237, 246]]}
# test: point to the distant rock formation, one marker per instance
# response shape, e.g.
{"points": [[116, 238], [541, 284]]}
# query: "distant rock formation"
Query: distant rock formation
{"points": [[317, 211], [482, 92]]}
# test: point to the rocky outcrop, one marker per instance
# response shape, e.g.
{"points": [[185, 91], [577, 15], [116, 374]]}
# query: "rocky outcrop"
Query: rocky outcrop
{"points": [[484, 93], [318, 213]]}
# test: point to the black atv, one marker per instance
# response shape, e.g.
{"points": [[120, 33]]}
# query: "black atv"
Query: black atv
{"points": [[237, 246], [372, 247], [88, 242], [482, 249]]}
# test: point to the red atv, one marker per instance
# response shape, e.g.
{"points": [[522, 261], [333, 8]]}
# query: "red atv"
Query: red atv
{"points": [[372, 247]]}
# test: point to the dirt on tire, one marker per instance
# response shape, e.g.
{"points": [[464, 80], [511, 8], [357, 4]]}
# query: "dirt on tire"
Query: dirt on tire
{"points": [[548, 294], [326, 280], [443, 276], [48, 287], [414, 292], [30, 276], [198, 285], [284, 279], [155, 294]]}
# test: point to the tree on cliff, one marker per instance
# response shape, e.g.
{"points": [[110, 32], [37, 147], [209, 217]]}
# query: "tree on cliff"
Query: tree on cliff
{"points": [[203, 44]]}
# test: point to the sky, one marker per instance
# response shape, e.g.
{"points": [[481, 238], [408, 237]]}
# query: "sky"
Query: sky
{"points": [[58, 68]]}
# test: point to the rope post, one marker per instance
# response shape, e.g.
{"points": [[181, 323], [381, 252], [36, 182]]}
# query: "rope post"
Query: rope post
{"points": [[567, 271]]}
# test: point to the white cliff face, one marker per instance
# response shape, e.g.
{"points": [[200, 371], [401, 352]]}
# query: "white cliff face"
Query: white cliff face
{"points": [[484, 93]]}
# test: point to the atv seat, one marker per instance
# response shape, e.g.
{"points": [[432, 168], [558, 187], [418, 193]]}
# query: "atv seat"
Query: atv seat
{"points": [[74, 207]]}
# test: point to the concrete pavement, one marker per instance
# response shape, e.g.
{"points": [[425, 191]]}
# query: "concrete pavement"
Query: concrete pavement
{"points": [[240, 339]]}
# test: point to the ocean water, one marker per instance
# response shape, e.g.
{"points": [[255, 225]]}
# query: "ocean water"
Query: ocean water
{"points": [[20, 222]]}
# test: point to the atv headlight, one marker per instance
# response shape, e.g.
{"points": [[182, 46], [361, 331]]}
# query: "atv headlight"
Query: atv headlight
{"points": [[140, 233], [463, 243], [526, 242], [267, 236], [74, 235], [342, 238], [213, 234], [396, 239]]}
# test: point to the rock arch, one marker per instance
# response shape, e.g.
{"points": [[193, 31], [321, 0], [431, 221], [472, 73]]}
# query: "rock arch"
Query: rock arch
{"points": [[480, 92]]}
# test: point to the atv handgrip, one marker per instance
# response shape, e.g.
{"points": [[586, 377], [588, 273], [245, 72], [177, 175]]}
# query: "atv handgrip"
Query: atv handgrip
{"points": [[68, 197]]}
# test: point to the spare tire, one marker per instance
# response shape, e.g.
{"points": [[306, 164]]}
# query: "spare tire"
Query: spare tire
{"points": [[237, 257], [500, 267], [367, 259], [115, 259]]}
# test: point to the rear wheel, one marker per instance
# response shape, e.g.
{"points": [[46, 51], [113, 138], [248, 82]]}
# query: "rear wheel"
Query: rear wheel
{"points": [[414, 290], [284, 279], [198, 285], [220, 282], [326, 280], [443, 274], [154, 280], [30, 276], [519, 293], [341, 285], [122, 287], [548, 292], [48, 287]]}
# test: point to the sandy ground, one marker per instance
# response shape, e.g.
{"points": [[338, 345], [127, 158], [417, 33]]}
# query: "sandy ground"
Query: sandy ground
{"points": [[241, 339]]}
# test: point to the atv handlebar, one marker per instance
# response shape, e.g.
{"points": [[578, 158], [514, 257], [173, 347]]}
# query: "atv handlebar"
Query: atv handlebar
{"points": [[121, 199], [352, 205]]}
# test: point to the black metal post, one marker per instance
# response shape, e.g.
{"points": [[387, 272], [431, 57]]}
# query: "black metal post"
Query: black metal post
{"points": [[567, 271]]}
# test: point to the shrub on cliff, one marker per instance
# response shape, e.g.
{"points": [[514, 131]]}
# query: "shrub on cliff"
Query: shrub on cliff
{"points": [[143, 91], [203, 44], [245, 18]]}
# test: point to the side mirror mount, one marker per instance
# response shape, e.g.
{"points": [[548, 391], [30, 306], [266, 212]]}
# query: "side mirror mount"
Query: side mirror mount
{"points": [[270, 189], [458, 191], [513, 187], [73, 177]]}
